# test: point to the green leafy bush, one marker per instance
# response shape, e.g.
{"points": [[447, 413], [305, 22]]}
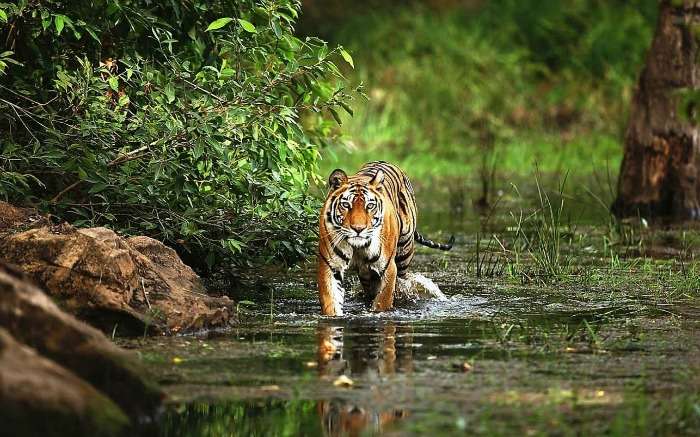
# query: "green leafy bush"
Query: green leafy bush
{"points": [[197, 122]]}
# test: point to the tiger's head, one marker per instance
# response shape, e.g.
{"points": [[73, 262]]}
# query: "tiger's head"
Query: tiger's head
{"points": [[356, 208]]}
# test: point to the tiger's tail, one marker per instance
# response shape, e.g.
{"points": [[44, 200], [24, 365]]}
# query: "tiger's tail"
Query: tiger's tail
{"points": [[430, 243]]}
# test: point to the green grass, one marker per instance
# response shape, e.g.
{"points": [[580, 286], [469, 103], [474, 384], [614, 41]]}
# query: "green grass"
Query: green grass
{"points": [[517, 83], [582, 156]]}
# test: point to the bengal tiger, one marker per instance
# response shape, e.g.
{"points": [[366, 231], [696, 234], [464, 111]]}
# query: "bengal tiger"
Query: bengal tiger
{"points": [[368, 222]]}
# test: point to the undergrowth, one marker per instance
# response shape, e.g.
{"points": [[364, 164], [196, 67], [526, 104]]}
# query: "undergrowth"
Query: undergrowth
{"points": [[452, 89]]}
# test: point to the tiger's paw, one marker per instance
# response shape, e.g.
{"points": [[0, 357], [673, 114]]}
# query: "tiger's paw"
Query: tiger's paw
{"points": [[378, 307]]}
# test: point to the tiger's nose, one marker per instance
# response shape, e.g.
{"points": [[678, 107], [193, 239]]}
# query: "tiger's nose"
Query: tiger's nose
{"points": [[358, 228]]}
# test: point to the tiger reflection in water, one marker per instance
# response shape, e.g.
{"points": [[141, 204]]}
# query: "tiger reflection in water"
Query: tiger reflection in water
{"points": [[371, 353]]}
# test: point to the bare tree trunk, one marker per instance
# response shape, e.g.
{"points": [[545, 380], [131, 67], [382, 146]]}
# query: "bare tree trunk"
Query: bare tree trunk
{"points": [[659, 173]]}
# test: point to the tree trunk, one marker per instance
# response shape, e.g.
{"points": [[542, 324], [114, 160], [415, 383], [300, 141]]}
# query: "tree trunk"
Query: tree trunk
{"points": [[659, 173]]}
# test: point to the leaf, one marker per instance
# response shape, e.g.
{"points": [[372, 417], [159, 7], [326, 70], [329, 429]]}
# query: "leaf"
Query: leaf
{"points": [[124, 100], [12, 61], [114, 83], [93, 34], [59, 21], [347, 57], [218, 24], [347, 108], [100, 186], [277, 29], [170, 93], [247, 26], [3, 16], [335, 115], [282, 152]]}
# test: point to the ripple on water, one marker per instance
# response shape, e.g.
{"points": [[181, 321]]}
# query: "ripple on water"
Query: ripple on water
{"points": [[296, 311]]}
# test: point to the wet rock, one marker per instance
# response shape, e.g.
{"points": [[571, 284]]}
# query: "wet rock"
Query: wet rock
{"points": [[128, 286], [32, 318], [174, 288], [39, 397]]}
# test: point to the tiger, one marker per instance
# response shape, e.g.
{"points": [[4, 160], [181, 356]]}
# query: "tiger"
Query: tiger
{"points": [[367, 222]]}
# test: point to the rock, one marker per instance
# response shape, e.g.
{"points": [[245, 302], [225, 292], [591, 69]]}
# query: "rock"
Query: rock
{"points": [[39, 397], [13, 218], [32, 318], [177, 289], [128, 286]]}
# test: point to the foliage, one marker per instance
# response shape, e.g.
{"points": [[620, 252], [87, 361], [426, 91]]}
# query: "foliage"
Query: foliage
{"points": [[424, 92], [513, 82], [601, 39], [197, 123]]}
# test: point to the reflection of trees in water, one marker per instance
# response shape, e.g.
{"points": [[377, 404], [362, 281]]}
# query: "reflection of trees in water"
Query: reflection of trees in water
{"points": [[370, 352]]}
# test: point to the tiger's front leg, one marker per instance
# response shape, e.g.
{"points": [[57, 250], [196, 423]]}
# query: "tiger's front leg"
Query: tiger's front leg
{"points": [[331, 292], [387, 284]]}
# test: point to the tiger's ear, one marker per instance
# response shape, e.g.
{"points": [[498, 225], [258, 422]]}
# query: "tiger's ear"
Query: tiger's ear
{"points": [[337, 178], [377, 179]]}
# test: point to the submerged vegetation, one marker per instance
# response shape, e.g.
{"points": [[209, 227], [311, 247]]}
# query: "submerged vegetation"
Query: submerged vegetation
{"points": [[197, 123]]}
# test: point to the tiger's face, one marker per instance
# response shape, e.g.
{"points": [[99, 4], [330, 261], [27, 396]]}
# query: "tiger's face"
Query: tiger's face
{"points": [[356, 209]]}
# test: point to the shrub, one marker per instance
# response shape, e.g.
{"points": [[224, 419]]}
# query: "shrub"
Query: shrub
{"points": [[197, 123]]}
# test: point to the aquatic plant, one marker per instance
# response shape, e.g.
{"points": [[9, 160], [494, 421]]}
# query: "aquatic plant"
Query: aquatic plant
{"points": [[539, 234]]}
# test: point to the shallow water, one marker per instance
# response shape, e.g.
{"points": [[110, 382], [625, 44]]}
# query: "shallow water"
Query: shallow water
{"points": [[407, 369], [495, 358]]}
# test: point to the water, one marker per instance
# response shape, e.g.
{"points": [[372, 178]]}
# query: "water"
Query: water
{"points": [[408, 370], [497, 357]]}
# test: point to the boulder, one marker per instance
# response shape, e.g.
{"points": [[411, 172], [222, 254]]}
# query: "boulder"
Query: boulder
{"points": [[129, 286], [176, 288], [39, 397], [32, 318], [13, 218]]}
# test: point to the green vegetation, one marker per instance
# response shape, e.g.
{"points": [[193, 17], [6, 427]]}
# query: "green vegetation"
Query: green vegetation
{"points": [[452, 90], [197, 123]]}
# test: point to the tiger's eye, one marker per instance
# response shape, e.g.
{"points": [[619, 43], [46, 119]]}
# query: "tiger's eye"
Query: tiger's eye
{"points": [[345, 204]]}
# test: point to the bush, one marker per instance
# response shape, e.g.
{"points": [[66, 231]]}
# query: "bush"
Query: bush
{"points": [[197, 123]]}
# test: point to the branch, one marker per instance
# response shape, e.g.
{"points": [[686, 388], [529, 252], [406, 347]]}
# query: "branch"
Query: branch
{"points": [[134, 154]]}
